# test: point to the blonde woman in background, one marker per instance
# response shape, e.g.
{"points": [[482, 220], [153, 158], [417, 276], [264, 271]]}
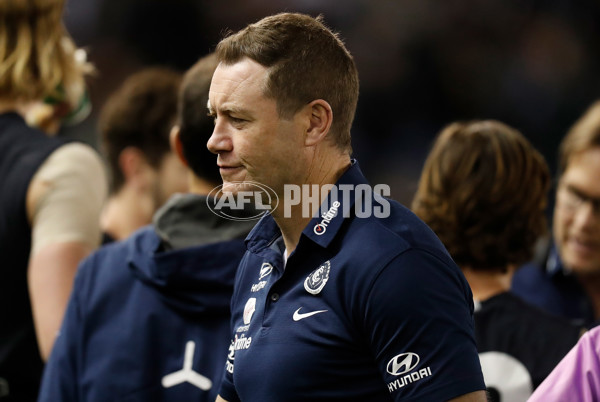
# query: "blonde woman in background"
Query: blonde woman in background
{"points": [[51, 192]]}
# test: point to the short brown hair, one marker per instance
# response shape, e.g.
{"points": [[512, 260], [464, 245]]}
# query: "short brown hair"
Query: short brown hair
{"points": [[195, 126], [307, 61], [583, 135], [139, 114], [483, 191], [37, 56]]}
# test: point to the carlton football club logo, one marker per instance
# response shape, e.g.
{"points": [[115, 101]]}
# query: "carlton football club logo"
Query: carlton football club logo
{"points": [[316, 281]]}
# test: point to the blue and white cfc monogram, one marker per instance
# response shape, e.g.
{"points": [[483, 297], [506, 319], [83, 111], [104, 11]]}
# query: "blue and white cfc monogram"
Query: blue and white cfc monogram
{"points": [[370, 309]]}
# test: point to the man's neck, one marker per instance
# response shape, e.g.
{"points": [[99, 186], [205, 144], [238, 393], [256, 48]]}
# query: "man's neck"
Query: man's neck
{"points": [[125, 212], [293, 223], [200, 186], [486, 284], [7, 105]]}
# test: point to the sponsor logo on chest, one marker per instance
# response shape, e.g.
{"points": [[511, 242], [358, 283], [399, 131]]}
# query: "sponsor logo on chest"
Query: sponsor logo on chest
{"points": [[241, 342], [249, 310], [265, 270], [258, 286]]}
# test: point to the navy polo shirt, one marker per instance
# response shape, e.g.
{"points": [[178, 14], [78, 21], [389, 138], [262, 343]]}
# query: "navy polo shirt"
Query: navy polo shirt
{"points": [[366, 309]]}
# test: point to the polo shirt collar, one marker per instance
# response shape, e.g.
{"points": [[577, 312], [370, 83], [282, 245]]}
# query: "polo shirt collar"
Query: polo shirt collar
{"points": [[330, 216], [323, 228], [554, 265], [263, 235]]}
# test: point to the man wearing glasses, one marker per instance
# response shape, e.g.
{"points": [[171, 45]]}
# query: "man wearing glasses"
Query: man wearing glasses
{"points": [[568, 282]]}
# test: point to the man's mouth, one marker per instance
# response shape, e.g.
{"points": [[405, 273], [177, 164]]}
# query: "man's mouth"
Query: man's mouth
{"points": [[228, 168], [582, 245]]}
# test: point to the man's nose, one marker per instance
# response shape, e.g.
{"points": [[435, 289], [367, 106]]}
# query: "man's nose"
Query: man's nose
{"points": [[220, 140], [586, 216]]}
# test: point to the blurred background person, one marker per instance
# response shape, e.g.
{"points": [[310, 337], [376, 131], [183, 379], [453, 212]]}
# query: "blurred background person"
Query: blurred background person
{"points": [[566, 281], [422, 64], [134, 129], [483, 191], [51, 192], [149, 316]]}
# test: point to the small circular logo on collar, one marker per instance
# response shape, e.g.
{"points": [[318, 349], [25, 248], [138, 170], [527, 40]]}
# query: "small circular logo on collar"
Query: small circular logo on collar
{"points": [[319, 229], [315, 282]]}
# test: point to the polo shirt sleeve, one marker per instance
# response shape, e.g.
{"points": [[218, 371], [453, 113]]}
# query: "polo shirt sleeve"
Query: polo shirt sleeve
{"points": [[227, 390], [577, 376], [418, 320], [61, 373]]}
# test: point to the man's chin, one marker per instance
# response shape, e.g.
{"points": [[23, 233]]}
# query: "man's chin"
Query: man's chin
{"points": [[582, 266], [235, 186]]}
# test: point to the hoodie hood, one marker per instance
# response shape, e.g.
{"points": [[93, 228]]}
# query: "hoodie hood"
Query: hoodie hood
{"points": [[189, 256]]}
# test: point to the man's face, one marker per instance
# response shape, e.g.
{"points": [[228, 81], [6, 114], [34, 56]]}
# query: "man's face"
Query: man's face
{"points": [[252, 142], [577, 213]]}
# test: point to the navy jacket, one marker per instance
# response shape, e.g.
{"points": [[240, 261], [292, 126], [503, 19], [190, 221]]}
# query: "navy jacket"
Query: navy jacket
{"points": [[140, 312]]}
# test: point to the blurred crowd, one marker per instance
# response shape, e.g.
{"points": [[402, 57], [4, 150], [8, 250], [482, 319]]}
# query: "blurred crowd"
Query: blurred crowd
{"points": [[422, 64]]}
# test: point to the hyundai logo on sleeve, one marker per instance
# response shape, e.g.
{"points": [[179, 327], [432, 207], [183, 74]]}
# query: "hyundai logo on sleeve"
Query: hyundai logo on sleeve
{"points": [[402, 363], [401, 366]]}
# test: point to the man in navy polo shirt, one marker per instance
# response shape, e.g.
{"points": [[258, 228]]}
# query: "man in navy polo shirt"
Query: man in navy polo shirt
{"points": [[348, 305]]}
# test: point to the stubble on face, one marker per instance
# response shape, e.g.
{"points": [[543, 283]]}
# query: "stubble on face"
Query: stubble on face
{"points": [[251, 139]]}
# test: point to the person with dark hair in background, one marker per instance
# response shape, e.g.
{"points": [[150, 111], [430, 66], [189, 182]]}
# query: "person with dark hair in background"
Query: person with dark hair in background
{"points": [[51, 191], [567, 281], [149, 316], [483, 190], [333, 305], [134, 127]]}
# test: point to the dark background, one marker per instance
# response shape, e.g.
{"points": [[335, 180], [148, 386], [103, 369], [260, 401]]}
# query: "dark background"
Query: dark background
{"points": [[422, 63]]}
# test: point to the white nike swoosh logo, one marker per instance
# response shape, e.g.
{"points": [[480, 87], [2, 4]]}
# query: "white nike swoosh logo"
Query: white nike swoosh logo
{"points": [[298, 316]]}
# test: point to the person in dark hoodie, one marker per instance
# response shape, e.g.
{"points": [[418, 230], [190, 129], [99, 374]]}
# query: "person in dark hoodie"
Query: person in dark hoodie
{"points": [[148, 318]]}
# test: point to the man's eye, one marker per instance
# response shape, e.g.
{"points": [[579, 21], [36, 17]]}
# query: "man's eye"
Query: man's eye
{"points": [[236, 120], [575, 196]]}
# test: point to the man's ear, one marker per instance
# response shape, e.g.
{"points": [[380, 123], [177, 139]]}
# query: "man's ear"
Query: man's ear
{"points": [[320, 118], [176, 145]]}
